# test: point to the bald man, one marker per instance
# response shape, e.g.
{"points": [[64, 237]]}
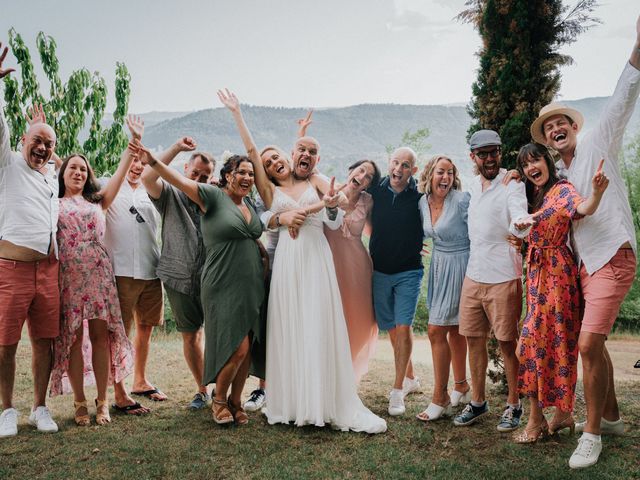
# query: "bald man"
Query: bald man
{"points": [[28, 264]]}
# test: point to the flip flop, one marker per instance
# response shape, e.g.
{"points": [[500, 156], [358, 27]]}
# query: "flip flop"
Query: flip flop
{"points": [[129, 409], [150, 395]]}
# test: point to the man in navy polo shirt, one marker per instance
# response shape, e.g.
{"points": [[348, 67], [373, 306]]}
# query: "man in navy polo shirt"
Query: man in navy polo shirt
{"points": [[395, 246]]}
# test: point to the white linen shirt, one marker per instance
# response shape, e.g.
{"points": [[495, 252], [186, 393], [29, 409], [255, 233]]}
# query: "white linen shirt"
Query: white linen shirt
{"points": [[28, 198], [492, 214], [596, 238], [132, 245]]}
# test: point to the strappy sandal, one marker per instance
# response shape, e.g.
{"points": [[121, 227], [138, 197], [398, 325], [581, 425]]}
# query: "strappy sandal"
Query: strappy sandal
{"points": [[567, 422], [102, 412], [81, 420], [533, 434], [239, 415], [221, 413], [434, 412]]}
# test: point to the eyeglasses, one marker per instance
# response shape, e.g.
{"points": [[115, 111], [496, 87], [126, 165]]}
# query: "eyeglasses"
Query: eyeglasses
{"points": [[491, 153], [133, 211]]}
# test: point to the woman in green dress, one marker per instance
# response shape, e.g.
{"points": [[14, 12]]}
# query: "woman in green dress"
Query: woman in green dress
{"points": [[232, 277]]}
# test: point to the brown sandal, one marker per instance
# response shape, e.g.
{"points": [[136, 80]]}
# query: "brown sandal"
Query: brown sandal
{"points": [[102, 412], [81, 420], [239, 415], [221, 413]]}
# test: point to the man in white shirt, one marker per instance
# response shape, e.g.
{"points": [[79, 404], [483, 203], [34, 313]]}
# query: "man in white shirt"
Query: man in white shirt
{"points": [[605, 243], [28, 264], [130, 238], [491, 297]]}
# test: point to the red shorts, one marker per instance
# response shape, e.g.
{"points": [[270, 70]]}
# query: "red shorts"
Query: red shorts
{"points": [[605, 290], [29, 291]]}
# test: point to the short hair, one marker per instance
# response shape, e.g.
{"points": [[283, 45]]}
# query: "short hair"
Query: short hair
{"points": [[308, 137], [205, 157], [424, 183], [91, 186], [230, 166], [375, 179], [411, 151]]}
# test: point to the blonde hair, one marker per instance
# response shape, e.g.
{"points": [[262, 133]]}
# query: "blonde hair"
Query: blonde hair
{"points": [[424, 183]]}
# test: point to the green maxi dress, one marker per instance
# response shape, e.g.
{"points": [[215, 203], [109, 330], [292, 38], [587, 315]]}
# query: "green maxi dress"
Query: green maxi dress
{"points": [[232, 278]]}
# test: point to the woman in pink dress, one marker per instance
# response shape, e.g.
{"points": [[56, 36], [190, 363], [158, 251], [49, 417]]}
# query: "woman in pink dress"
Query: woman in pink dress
{"points": [[353, 265], [93, 346]]}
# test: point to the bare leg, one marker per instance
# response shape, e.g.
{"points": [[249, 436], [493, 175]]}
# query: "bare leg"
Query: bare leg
{"points": [[238, 381], [229, 371], [478, 362], [595, 378], [611, 411], [41, 368], [193, 350], [535, 414], [508, 351], [101, 356], [441, 356], [141, 342], [458, 347], [392, 337], [76, 368], [7, 374], [402, 347]]}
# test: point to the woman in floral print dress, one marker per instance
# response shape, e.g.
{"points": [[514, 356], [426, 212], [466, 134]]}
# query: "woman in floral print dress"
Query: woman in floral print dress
{"points": [[548, 345], [93, 346]]}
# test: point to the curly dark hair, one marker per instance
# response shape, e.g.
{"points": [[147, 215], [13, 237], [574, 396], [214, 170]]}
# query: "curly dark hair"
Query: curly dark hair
{"points": [[91, 188], [375, 179], [530, 151], [230, 166]]}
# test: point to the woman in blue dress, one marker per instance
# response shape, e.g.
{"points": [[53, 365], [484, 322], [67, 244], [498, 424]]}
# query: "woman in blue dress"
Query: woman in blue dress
{"points": [[444, 216]]}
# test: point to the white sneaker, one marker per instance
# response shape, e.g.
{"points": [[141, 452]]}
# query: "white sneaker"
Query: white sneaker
{"points": [[9, 423], [411, 385], [586, 454], [606, 427], [41, 418], [256, 400], [396, 402]]}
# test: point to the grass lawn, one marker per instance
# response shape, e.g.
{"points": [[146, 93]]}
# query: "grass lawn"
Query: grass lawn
{"points": [[173, 442]]}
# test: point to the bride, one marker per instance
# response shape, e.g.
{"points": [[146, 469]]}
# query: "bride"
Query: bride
{"points": [[309, 371]]}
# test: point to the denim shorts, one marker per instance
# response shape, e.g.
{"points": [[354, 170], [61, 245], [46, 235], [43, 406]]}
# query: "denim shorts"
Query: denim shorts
{"points": [[395, 297]]}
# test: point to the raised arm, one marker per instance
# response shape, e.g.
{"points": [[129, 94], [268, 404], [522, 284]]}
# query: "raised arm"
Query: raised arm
{"points": [[5, 144], [599, 184], [111, 189], [304, 123], [188, 186], [151, 179], [635, 54], [264, 186]]}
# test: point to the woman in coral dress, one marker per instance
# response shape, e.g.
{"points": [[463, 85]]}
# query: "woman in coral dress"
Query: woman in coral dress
{"points": [[548, 345], [354, 269], [93, 346]]}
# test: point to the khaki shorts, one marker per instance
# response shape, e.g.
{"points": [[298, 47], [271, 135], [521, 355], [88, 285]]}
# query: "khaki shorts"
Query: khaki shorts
{"points": [[140, 300], [487, 306], [605, 290]]}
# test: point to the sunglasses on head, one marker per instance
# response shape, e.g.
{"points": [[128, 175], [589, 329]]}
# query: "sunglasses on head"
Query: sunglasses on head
{"points": [[135, 212]]}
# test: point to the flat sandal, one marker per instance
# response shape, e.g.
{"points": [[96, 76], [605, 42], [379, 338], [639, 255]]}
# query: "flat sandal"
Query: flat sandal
{"points": [[221, 413]]}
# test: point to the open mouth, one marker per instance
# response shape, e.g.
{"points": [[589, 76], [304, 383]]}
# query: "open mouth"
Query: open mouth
{"points": [[396, 176], [280, 169], [40, 156], [303, 165], [559, 137], [355, 182], [535, 175], [490, 165], [443, 186]]}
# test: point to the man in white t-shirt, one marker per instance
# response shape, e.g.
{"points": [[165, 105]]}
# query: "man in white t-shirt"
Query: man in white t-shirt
{"points": [[605, 243], [28, 264]]}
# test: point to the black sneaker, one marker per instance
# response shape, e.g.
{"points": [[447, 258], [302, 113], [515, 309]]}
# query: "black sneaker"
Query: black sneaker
{"points": [[256, 400], [470, 414], [510, 419]]}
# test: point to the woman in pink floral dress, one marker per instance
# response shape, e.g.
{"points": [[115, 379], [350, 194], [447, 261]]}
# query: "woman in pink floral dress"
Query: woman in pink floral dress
{"points": [[353, 265], [92, 346]]}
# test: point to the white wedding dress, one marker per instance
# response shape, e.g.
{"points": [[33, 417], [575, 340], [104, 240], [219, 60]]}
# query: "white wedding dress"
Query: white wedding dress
{"points": [[310, 379]]}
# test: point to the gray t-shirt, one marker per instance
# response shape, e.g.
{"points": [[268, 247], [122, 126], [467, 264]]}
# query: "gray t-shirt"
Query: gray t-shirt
{"points": [[182, 255]]}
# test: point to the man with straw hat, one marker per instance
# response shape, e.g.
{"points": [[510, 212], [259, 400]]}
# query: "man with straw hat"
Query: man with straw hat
{"points": [[605, 243]]}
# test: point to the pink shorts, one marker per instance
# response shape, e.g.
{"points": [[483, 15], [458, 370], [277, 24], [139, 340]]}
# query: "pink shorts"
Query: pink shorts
{"points": [[605, 290], [29, 291]]}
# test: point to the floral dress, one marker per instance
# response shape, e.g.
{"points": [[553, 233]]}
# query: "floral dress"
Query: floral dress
{"points": [[548, 345], [87, 291]]}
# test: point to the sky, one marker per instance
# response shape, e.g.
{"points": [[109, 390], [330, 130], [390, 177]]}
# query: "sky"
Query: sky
{"points": [[294, 53]]}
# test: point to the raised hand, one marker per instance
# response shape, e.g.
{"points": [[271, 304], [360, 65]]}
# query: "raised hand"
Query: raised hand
{"points": [[303, 123], [186, 144], [229, 100], [600, 182], [136, 126], [139, 150], [4, 71], [332, 196], [35, 114]]}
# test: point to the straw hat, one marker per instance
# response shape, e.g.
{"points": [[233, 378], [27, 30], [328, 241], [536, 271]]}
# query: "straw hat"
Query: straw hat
{"points": [[549, 111]]}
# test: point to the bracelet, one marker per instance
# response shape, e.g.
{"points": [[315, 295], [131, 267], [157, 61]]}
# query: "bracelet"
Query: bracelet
{"points": [[278, 224]]}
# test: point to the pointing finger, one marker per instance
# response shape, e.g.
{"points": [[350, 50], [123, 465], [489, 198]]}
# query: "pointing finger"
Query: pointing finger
{"points": [[600, 165]]}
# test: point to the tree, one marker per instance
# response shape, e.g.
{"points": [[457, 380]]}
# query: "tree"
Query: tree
{"points": [[520, 62], [415, 140], [68, 104]]}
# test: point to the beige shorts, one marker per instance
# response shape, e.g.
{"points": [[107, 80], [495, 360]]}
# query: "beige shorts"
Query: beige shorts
{"points": [[140, 300], [487, 306]]}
